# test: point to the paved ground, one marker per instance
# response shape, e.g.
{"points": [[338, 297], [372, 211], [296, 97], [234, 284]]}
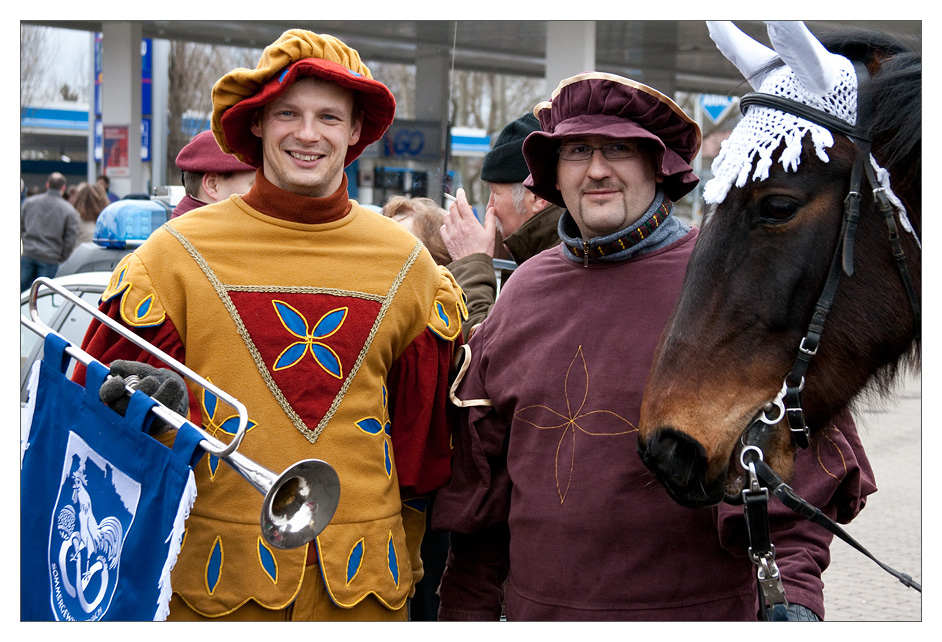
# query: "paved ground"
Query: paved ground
{"points": [[890, 527]]}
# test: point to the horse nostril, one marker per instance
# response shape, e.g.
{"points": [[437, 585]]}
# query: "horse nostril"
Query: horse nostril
{"points": [[675, 457]]}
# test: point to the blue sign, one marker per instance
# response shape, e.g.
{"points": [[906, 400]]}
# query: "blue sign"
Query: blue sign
{"points": [[716, 106], [147, 66], [408, 142], [417, 140]]}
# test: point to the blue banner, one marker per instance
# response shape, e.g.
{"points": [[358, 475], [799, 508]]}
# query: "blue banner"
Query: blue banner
{"points": [[102, 503]]}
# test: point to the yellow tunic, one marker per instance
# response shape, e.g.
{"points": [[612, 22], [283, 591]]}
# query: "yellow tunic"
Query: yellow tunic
{"points": [[302, 323]]}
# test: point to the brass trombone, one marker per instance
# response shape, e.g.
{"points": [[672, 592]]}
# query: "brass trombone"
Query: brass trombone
{"points": [[298, 503]]}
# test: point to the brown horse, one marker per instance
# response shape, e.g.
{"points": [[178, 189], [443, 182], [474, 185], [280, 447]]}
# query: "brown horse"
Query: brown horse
{"points": [[759, 269]]}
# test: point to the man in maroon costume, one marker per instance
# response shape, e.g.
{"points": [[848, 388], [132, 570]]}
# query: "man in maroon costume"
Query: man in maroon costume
{"points": [[552, 514]]}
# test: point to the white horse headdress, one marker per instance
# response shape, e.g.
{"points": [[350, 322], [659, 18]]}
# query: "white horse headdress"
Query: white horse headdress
{"points": [[811, 75]]}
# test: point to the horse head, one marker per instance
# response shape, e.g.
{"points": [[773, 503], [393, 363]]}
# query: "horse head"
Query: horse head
{"points": [[763, 259]]}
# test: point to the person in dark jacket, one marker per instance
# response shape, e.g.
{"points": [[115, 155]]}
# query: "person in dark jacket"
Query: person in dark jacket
{"points": [[526, 222], [49, 231]]}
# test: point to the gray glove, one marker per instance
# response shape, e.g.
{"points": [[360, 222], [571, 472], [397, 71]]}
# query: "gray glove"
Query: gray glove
{"points": [[166, 386], [792, 613]]}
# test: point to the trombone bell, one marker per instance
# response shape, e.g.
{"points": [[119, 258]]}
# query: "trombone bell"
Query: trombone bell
{"points": [[300, 503]]}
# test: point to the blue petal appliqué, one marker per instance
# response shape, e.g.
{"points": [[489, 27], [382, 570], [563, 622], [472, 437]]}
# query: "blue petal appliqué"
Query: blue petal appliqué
{"points": [[329, 323], [291, 355], [441, 313], [267, 560], [354, 561], [214, 566], [393, 560], [291, 318], [327, 359], [370, 426], [144, 307]]}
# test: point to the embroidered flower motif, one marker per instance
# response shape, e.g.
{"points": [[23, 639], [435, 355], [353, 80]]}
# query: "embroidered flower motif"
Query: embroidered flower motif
{"points": [[212, 425], [374, 426], [575, 420], [826, 443], [297, 325]]}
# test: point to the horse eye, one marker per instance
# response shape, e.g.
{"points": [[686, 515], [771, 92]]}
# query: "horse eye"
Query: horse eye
{"points": [[778, 209]]}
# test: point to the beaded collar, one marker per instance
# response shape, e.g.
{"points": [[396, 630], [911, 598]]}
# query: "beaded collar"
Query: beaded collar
{"points": [[620, 241]]}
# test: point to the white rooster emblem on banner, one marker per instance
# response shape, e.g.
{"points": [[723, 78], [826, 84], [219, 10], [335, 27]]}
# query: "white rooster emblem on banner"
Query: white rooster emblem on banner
{"points": [[93, 548]]}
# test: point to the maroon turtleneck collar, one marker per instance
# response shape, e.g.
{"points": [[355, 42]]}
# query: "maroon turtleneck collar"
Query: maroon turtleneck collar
{"points": [[288, 206]]}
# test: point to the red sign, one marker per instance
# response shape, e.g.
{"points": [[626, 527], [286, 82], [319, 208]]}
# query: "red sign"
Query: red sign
{"points": [[116, 160]]}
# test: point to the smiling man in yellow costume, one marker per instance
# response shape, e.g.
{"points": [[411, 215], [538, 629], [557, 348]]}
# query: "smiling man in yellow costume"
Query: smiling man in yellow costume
{"points": [[330, 322]]}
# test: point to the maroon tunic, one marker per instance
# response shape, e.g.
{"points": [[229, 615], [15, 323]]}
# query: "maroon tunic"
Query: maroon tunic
{"points": [[547, 488]]}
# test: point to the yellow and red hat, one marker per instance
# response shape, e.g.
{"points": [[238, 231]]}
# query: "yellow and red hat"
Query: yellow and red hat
{"points": [[297, 53]]}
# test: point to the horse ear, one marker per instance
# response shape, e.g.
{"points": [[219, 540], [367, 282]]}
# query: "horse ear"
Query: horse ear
{"points": [[817, 68], [749, 55]]}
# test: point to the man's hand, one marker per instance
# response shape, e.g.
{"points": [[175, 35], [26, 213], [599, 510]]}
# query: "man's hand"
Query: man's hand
{"points": [[463, 234], [166, 386]]}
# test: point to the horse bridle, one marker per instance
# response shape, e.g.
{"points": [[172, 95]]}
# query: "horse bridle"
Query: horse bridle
{"points": [[788, 400]]}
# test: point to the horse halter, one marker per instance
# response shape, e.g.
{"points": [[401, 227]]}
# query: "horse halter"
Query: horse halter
{"points": [[788, 400]]}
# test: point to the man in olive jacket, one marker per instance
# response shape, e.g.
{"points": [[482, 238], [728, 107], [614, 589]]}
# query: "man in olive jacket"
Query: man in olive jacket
{"points": [[526, 222]]}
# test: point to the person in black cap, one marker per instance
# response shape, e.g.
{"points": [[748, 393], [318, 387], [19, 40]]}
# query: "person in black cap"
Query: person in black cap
{"points": [[527, 222], [210, 174]]}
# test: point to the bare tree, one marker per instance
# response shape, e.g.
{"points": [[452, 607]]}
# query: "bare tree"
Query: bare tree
{"points": [[45, 75], [36, 49], [193, 70], [488, 102], [400, 79]]}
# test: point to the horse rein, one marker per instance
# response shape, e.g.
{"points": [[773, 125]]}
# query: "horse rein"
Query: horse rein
{"points": [[787, 403]]}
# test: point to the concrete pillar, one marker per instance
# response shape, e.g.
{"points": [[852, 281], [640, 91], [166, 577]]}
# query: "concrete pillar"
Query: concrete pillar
{"points": [[159, 120], [432, 81], [121, 96], [570, 49]]}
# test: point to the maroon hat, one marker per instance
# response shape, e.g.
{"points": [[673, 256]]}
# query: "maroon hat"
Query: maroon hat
{"points": [[600, 104], [297, 53], [202, 155]]}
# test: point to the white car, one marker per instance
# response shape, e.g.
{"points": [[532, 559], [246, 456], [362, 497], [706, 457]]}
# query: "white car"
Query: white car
{"points": [[59, 314], [121, 227]]}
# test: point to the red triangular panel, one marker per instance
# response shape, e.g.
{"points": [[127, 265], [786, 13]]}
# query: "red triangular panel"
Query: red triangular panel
{"points": [[309, 386]]}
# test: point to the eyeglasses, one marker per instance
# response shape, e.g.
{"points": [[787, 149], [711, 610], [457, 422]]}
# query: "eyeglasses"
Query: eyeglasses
{"points": [[612, 151]]}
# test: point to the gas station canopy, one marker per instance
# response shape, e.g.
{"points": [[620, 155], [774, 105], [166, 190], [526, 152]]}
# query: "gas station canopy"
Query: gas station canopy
{"points": [[675, 53]]}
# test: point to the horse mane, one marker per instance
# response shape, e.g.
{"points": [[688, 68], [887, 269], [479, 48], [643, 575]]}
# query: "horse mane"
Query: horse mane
{"points": [[895, 89]]}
